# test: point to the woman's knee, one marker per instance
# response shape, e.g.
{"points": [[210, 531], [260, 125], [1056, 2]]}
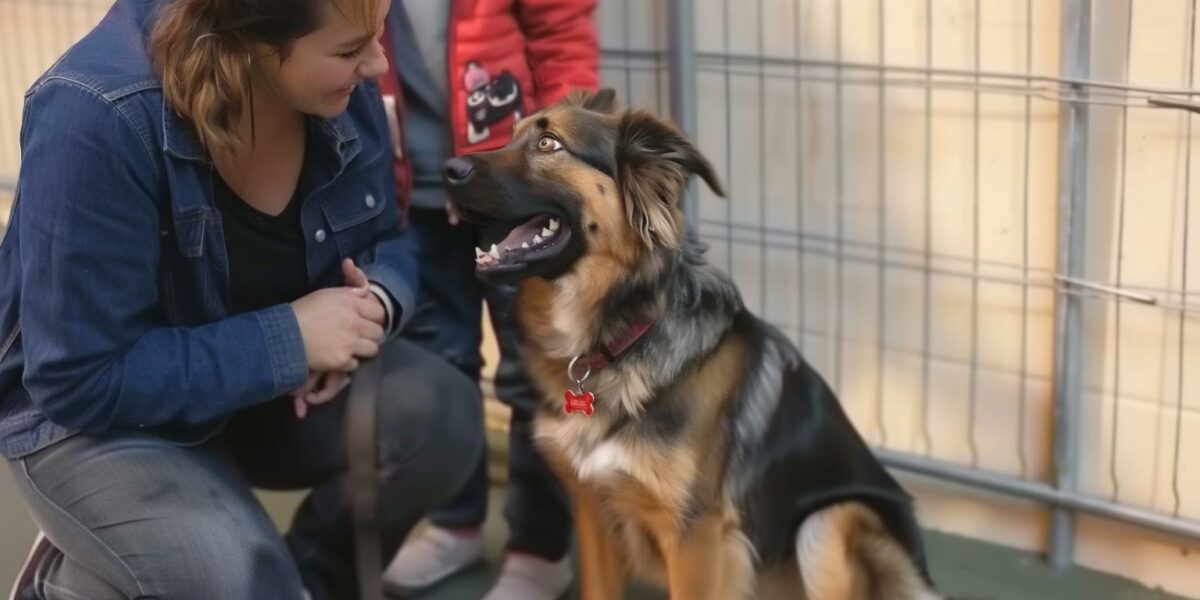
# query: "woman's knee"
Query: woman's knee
{"points": [[431, 418], [219, 558], [153, 519]]}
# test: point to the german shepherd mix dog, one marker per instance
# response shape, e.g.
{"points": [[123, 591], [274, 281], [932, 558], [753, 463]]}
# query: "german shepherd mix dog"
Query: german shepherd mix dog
{"points": [[698, 448]]}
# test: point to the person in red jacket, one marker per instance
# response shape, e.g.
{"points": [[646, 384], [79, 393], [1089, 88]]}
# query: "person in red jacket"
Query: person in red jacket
{"points": [[464, 72]]}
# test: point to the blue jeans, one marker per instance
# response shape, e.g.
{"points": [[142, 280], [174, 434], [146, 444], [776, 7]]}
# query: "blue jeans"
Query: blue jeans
{"points": [[449, 322], [133, 516]]}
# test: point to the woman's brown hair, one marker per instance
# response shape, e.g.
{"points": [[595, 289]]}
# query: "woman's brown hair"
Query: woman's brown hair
{"points": [[201, 49]]}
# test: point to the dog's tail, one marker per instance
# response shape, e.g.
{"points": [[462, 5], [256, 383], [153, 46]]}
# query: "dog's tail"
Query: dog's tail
{"points": [[845, 553]]}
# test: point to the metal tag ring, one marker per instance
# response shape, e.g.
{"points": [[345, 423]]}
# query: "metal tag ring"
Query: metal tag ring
{"points": [[571, 370]]}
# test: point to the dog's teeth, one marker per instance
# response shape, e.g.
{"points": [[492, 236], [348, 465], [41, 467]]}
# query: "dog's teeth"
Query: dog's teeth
{"points": [[547, 233], [479, 253], [553, 224], [524, 244], [494, 252], [537, 239]]}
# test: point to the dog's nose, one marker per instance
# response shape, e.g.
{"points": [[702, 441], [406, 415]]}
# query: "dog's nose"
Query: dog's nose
{"points": [[458, 170]]}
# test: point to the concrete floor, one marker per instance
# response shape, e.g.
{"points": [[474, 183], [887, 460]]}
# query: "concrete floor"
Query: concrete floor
{"points": [[963, 568]]}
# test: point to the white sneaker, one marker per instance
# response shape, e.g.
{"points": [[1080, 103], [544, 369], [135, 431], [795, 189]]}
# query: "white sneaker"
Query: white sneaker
{"points": [[429, 557], [527, 577]]}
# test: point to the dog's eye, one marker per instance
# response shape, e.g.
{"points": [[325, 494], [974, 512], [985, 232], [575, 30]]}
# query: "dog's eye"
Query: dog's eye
{"points": [[549, 144]]}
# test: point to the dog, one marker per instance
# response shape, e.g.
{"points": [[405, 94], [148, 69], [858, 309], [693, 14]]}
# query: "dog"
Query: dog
{"points": [[698, 448]]}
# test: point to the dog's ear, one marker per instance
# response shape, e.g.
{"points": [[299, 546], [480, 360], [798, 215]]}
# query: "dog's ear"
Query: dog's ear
{"points": [[603, 101], [654, 163]]}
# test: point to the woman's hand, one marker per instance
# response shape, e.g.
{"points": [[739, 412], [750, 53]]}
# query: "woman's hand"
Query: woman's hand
{"points": [[319, 389], [357, 279], [339, 326]]}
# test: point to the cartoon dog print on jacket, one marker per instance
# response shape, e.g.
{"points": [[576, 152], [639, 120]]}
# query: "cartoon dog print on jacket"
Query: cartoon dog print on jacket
{"points": [[489, 100]]}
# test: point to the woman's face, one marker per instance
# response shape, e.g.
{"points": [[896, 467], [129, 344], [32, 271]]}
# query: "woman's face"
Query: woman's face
{"points": [[324, 66]]}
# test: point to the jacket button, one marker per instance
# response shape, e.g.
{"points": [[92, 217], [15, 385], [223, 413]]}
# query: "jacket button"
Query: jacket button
{"points": [[320, 236], [370, 200]]}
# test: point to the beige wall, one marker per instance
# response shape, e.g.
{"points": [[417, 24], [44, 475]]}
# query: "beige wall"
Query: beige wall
{"points": [[16, 529], [32, 34]]}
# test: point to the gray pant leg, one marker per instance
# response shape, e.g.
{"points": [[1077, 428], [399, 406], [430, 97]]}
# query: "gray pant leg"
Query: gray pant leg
{"points": [[430, 434], [136, 517]]}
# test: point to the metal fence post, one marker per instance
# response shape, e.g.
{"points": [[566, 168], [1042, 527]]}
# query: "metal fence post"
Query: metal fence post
{"points": [[1072, 202], [681, 66]]}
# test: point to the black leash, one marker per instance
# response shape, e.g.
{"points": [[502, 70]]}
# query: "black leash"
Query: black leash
{"points": [[362, 453]]}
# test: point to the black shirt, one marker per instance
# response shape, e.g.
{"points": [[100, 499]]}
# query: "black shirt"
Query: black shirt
{"points": [[267, 261]]}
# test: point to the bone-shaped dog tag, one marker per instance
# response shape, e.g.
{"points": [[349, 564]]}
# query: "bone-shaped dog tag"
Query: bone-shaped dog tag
{"points": [[578, 402]]}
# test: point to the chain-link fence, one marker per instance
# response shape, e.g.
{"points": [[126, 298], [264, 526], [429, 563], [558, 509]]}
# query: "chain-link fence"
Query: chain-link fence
{"points": [[973, 217]]}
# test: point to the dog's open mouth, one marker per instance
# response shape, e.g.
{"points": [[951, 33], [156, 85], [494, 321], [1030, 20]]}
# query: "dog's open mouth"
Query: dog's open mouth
{"points": [[505, 247]]}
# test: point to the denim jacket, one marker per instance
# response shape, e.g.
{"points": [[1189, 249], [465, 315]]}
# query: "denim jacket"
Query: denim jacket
{"points": [[114, 288]]}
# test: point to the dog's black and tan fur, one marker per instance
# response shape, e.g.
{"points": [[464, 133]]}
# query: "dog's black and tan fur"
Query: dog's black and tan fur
{"points": [[717, 461]]}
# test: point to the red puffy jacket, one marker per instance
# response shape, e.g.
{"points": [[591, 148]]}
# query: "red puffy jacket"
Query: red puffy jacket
{"points": [[506, 59]]}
